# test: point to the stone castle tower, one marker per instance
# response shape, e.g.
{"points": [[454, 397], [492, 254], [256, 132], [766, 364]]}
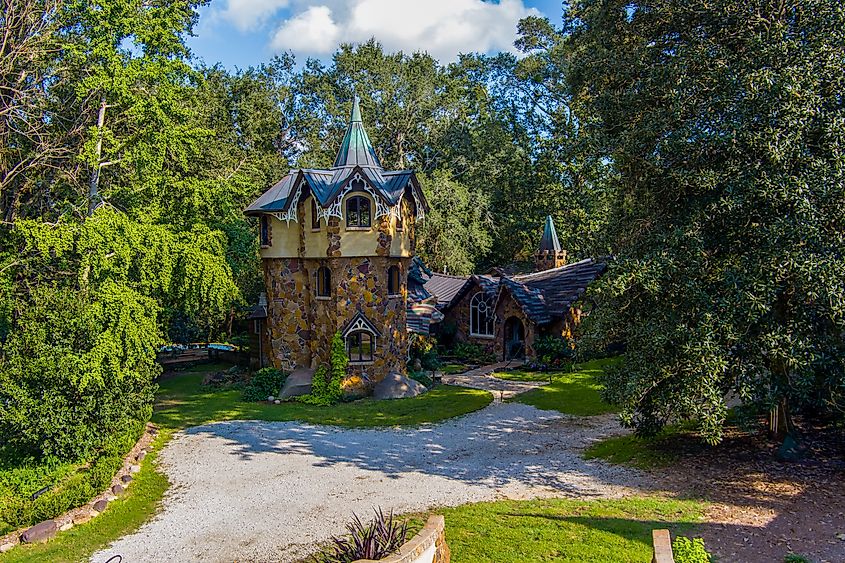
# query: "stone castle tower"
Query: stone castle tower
{"points": [[549, 255], [336, 245]]}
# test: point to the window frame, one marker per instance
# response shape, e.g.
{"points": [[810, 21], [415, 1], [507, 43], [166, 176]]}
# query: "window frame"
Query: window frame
{"points": [[475, 313], [315, 220], [265, 232], [323, 283], [360, 359], [358, 225], [394, 272]]}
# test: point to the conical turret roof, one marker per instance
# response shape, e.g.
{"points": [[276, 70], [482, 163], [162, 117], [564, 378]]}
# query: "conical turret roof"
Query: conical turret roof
{"points": [[356, 148], [549, 240]]}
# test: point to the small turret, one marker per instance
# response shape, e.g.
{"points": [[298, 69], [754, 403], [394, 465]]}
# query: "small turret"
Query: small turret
{"points": [[549, 255]]}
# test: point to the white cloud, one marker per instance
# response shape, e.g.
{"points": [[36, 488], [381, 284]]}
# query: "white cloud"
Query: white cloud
{"points": [[311, 31], [444, 28], [249, 14]]}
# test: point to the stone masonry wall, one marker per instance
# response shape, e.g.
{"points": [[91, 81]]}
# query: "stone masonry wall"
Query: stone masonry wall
{"points": [[288, 305], [362, 286]]}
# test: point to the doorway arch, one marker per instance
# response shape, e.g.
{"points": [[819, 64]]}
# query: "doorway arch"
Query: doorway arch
{"points": [[514, 338]]}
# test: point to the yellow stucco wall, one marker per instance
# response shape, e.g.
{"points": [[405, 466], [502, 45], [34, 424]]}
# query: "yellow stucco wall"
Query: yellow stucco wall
{"points": [[353, 242], [284, 238]]}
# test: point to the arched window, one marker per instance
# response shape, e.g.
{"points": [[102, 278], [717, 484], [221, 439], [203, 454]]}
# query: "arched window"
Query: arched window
{"points": [[315, 222], [481, 316], [324, 282], [265, 230], [360, 346], [393, 282], [358, 212]]}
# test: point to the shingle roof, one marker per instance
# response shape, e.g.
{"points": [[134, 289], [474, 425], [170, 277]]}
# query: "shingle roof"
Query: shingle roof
{"points": [[445, 287], [356, 156], [559, 287], [531, 300]]}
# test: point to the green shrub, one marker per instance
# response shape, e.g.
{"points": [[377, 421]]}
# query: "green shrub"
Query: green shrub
{"points": [[78, 368], [553, 349], [326, 385], [264, 383], [795, 558], [424, 349], [687, 550], [69, 484], [421, 377], [469, 352]]}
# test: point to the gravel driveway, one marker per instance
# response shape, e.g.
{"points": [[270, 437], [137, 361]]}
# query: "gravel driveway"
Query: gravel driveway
{"points": [[269, 491]]}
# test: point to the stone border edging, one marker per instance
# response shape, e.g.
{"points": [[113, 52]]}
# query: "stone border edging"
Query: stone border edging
{"points": [[432, 534], [47, 529]]}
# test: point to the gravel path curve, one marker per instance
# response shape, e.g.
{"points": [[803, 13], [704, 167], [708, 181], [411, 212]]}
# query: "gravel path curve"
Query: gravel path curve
{"points": [[269, 491]]}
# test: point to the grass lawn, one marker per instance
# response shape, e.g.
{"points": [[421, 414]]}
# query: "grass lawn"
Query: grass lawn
{"points": [[183, 401], [123, 516], [452, 369], [576, 392], [565, 530], [645, 453]]}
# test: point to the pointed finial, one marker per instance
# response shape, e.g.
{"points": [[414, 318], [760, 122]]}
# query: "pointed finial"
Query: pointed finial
{"points": [[356, 110], [549, 240]]}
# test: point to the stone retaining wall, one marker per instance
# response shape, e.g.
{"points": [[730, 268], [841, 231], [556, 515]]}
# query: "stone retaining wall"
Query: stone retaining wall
{"points": [[428, 546], [46, 530]]}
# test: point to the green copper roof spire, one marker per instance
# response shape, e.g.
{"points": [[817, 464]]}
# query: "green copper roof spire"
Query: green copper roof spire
{"points": [[356, 110], [356, 148], [549, 240]]}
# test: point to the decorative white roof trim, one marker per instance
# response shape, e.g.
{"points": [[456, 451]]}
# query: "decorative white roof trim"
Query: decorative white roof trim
{"points": [[358, 325], [418, 204], [291, 213]]}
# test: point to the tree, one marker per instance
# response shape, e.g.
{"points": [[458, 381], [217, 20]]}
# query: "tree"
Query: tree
{"points": [[457, 230], [724, 123]]}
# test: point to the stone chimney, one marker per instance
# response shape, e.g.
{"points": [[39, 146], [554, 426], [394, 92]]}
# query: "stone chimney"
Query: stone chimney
{"points": [[549, 255]]}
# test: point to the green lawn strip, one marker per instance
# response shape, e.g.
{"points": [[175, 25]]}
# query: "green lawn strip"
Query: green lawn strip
{"points": [[644, 453], [183, 401], [564, 530], [452, 369], [577, 392], [123, 516], [525, 375]]}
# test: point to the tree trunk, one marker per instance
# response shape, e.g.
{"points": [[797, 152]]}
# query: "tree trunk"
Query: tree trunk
{"points": [[94, 182]]}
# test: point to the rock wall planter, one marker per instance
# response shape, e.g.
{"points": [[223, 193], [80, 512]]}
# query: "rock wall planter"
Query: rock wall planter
{"points": [[428, 546], [43, 531]]}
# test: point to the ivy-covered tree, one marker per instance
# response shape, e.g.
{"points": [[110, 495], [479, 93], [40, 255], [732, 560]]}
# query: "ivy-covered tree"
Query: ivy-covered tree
{"points": [[724, 122]]}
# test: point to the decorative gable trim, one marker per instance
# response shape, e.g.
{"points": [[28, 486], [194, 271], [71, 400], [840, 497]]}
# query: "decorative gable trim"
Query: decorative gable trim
{"points": [[360, 322]]}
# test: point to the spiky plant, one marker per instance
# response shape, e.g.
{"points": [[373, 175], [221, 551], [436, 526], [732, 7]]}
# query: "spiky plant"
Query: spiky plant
{"points": [[379, 538]]}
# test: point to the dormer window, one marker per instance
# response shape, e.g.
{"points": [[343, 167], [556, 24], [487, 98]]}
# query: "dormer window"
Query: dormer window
{"points": [[358, 213], [264, 230], [324, 282]]}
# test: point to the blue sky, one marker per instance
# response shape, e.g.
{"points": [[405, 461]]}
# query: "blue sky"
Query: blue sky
{"points": [[240, 33]]}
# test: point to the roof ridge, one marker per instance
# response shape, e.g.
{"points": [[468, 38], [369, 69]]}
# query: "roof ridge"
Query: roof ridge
{"points": [[453, 276], [559, 268]]}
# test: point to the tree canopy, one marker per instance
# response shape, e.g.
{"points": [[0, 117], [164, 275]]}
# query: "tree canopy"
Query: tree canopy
{"points": [[723, 123]]}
